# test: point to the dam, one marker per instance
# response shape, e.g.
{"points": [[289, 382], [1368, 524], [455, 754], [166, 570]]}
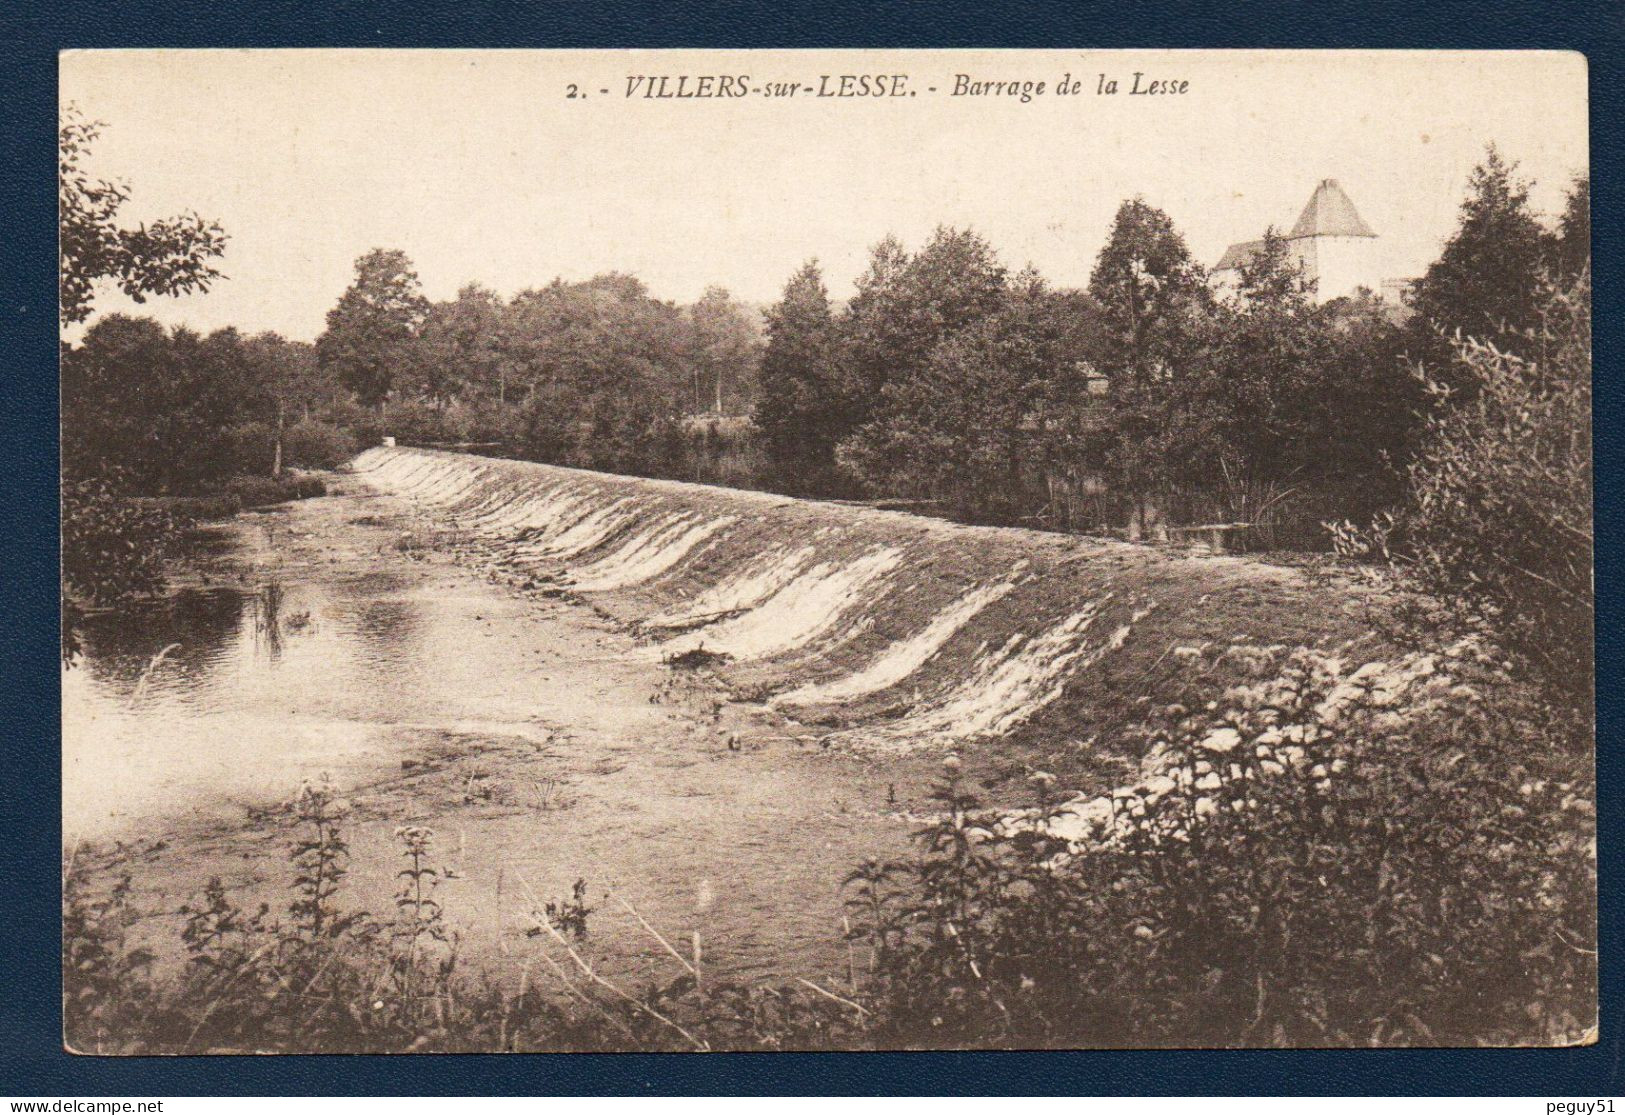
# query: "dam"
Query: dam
{"points": [[896, 632], [706, 703]]}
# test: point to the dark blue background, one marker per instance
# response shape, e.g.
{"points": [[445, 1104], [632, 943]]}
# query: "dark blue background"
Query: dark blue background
{"points": [[31, 32]]}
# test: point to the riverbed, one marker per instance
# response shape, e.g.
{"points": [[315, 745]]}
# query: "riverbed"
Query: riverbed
{"points": [[338, 639]]}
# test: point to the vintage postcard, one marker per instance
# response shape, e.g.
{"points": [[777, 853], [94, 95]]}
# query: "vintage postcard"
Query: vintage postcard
{"points": [[631, 550]]}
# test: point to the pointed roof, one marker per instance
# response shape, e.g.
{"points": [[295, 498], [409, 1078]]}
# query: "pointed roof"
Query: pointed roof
{"points": [[1237, 256], [1330, 213]]}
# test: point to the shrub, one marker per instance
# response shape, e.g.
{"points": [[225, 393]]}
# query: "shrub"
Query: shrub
{"points": [[194, 509], [1332, 857], [312, 443], [251, 982], [104, 979], [263, 491], [1498, 521], [112, 546]]}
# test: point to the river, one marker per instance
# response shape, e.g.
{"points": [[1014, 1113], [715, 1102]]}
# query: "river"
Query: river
{"points": [[338, 638]]}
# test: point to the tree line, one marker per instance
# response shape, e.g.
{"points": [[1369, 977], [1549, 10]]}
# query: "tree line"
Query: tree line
{"points": [[597, 374], [1147, 397]]}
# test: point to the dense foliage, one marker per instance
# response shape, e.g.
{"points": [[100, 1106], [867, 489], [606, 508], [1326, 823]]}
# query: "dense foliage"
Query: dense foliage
{"points": [[1395, 853], [177, 412], [967, 426], [111, 547], [1497, 523]]}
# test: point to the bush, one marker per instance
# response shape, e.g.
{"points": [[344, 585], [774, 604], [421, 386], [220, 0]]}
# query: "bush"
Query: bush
{"points": [[112, 545], [312, 443], [1497, 524], [263, 491], [1333, 857], [196, 509]]}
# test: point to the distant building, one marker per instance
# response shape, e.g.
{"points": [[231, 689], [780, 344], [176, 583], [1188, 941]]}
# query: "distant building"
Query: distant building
{"points": [[1337, 249]]}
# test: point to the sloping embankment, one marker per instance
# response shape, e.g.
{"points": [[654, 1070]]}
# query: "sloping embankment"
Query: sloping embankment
{"points": [[893, 630]]}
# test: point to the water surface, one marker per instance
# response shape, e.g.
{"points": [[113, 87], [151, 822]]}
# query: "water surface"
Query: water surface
{"points": [[221, 695]]}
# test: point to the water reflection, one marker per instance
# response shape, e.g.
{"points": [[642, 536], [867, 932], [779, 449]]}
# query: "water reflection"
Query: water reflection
{"points": [[266, 608], [274, 621], [228, 692], [232, 692], [119, 645]]}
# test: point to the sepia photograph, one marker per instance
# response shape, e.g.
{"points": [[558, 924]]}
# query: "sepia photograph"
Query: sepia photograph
{"points": [[825, 550]]}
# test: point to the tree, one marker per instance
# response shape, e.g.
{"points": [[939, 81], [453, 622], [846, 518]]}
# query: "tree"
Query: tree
{"points": [[287, 376], [868, 341], [1154, 303], [969, 422], [1486, 281], [160, 410], [605, 368], [1073, 420], [463, 346], [1249, 413], [1151, 295], [725, 352], [370, 332], [799, 406], [118, 401], [1574, 229], [951, 284], [169, 256]]}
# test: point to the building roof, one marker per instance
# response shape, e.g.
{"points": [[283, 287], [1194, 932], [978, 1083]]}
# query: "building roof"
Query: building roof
{"points": [[1237, 256], [1329, 213]]}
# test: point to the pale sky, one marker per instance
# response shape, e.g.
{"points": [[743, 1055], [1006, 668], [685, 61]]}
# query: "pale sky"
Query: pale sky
{"points": [[478, 166]]}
